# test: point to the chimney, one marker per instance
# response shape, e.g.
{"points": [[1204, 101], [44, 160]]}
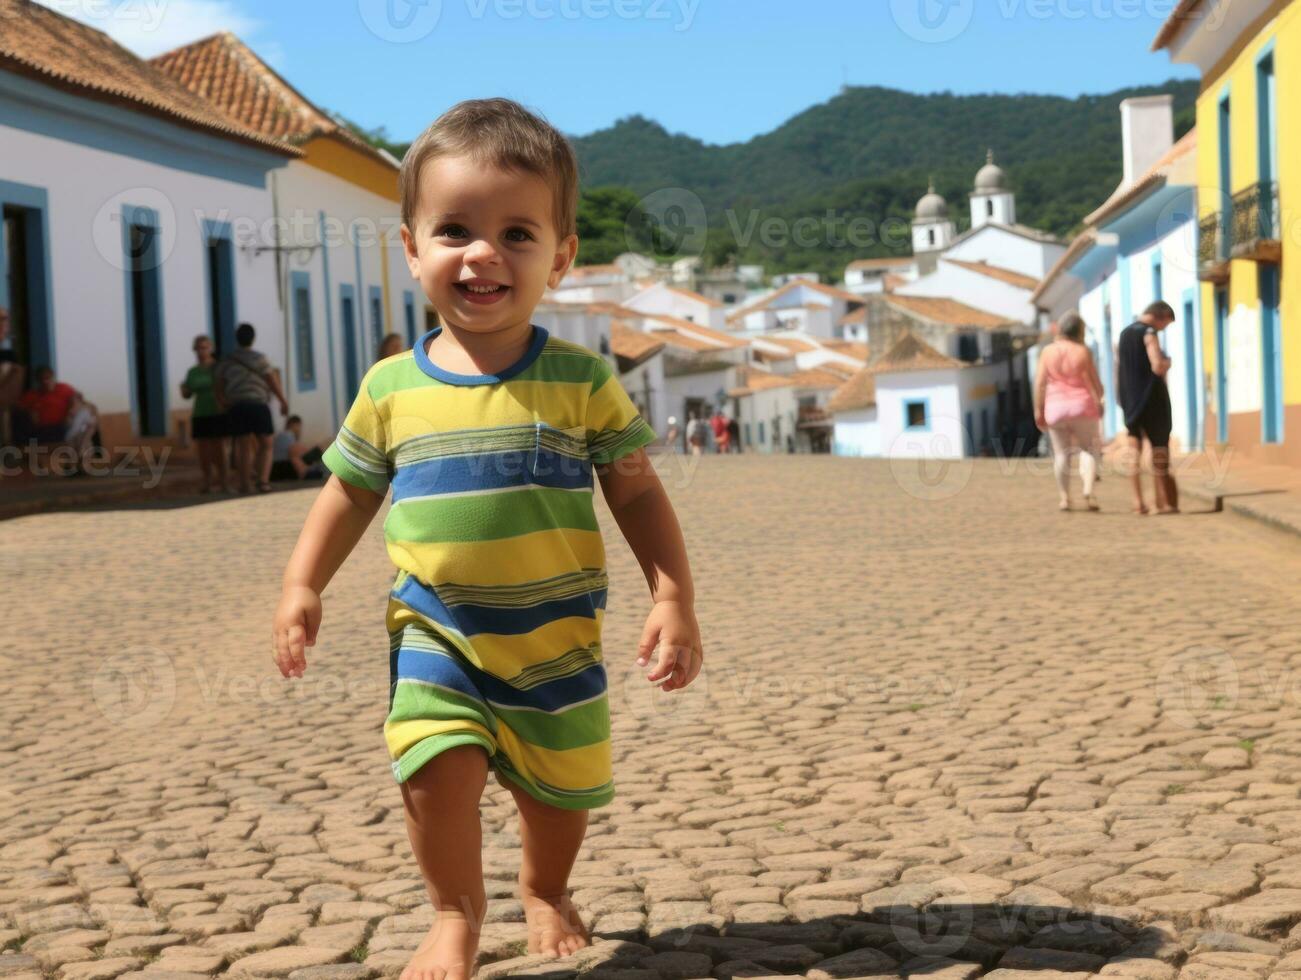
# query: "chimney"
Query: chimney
{"points": [[1148, 127]]}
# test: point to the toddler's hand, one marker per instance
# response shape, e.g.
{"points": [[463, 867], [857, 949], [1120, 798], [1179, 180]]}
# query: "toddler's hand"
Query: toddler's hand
{"points": [[672, 628], [298, 617]]}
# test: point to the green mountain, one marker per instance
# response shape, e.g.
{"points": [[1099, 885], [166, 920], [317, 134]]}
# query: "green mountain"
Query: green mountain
{"points": [[867, 155], [840, 180]]}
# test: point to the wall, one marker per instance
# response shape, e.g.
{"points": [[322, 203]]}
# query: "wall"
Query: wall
{"points": [[1008, 250], [944, 438], [857, 433], [86, 188], [1245, 383]]}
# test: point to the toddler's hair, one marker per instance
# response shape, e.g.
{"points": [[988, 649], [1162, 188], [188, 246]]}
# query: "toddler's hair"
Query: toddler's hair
{"points": [[503, 134]]}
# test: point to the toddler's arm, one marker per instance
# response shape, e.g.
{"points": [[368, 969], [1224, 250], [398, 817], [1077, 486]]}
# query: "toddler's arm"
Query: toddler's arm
{"points": [[334, 525], [644, 514]]}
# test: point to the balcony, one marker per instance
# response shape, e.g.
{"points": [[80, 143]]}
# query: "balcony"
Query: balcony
{"points": [[812, 417], [1257, 224], [1212, 256]]}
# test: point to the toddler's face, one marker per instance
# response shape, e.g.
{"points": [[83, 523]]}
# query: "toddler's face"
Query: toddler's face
{"points": [[484, 246]]}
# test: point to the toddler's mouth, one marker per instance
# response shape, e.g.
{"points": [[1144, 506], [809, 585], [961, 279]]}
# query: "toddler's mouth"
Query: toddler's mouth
{"points": [[482, 291]]}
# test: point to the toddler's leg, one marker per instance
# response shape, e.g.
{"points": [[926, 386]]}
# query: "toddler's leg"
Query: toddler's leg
{"points": [[550, 837], [442, 809]]}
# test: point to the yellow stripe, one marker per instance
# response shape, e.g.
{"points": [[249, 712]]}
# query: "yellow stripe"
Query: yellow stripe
{"points": [[610, 407], [446, 408], [572, 769], [401, 735], [503, 561]]}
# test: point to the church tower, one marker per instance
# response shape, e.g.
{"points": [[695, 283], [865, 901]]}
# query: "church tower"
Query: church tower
{"points": [[992, 200], [933, 232]]}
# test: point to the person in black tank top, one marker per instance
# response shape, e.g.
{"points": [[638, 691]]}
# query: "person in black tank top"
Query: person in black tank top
{"points": [[1141, 370]]}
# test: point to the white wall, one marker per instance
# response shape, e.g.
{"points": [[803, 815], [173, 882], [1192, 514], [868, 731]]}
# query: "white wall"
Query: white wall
{"points": [[974, 289], [304, 192], [857, 433], [87, 189], [1008, 250], [660, 299], [943, 439]]}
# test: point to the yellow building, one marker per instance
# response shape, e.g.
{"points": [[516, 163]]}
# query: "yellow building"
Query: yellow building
{"points": [[1249, 192]]}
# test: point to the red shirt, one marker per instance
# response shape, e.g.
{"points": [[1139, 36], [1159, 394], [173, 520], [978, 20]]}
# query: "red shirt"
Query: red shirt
{"points": [[719, 424], [51, 406]]}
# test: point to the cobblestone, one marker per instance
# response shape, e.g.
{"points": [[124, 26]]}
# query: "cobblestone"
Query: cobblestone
{"points": [[943, 731]]}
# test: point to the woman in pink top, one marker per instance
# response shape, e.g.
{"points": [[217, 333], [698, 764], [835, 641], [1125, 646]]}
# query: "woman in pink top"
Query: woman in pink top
{"points": [[1068, 405]]}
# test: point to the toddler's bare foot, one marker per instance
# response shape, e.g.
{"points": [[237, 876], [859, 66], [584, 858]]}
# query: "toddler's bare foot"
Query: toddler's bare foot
{"points": [[447, 953], [555, 927]]}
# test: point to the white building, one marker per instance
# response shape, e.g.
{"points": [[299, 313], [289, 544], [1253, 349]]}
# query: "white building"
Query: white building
{"points": [[680, 303], [918, 403], [784, 412], [879, 275], [120, 191], [1138, 247], [335, 244], [810, 307], [607, 283]]}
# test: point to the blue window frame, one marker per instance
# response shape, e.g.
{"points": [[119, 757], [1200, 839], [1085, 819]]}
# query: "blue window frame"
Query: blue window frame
{"points": [[917, 414], [348, 322], [142, 266], [1190, 367], [376, 318], [219, 259], [25, 272], [409, 310], [1221, 367], [304, 341], [1271, 355]]}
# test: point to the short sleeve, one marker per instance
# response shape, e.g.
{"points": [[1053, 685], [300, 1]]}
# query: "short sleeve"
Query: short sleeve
{"points": [[614, 426], [359, 453]]}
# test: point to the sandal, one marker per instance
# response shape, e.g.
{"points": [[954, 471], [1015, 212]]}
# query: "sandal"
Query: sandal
{"points": [[1091, 502], [263, 487]]}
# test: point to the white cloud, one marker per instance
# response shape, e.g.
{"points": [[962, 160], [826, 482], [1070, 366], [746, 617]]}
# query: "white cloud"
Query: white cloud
{"points": [[150, 27]]}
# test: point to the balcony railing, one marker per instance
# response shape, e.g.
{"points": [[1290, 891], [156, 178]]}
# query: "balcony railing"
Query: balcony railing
{"points": [[1212, 255], [1257, 223], [810, 416]]}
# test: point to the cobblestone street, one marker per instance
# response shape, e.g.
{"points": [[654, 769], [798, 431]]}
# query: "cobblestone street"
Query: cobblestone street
{"points": [[943, 730]]}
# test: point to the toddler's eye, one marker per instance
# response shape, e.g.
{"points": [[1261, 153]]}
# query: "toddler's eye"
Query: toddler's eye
{"points": [[451, 231], [524, 236]]}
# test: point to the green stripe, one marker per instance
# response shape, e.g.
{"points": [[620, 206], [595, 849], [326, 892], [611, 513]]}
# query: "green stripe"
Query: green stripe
{"points": [[489, 516], [610, 446], [587, 724], [345, 470], [413, 701], [465, 442]]}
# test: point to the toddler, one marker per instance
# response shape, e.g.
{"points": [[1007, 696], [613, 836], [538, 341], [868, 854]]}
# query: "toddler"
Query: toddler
{"points": [[489, 432]]}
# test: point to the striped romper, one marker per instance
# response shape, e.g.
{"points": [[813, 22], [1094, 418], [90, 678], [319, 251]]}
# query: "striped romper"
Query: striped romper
{"points": [[495, 614]]}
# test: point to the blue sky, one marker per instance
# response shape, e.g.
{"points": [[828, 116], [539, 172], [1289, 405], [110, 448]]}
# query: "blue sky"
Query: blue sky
{"points": [[720, 70]]}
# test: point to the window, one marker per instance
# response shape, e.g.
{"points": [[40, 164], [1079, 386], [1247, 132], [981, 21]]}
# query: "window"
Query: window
{"points": [[304, 354], [377, 316], [916, 414], [747, 434], [409, 307], [930, 236], [968, 347], [762, 438], [989, 207], [729, 298], [220, 260]]}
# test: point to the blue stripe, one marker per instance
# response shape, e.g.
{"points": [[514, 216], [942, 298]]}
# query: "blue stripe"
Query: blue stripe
{"points": [[469, 620], [548, 696], [492, 471], [434, 668]]}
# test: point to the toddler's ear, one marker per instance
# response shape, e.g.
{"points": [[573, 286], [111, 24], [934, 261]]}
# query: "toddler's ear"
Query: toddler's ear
{"points": [[565, 253], [409, 252]]}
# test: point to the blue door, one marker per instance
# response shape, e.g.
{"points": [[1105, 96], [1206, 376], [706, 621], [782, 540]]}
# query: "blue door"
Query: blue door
{"points": [[1271, 355], [351, 366], [1221, 368], [1190, 371], [145, 320]]}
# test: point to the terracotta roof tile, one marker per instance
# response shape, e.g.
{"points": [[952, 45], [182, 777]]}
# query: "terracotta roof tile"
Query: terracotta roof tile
{"points": [[995, 272], [941, 309], [911, 353], [839, 367], [764, 302], [858, 392], [631, 343], [224, 71], [43, 44], [854, 348], [1175, 21]]}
